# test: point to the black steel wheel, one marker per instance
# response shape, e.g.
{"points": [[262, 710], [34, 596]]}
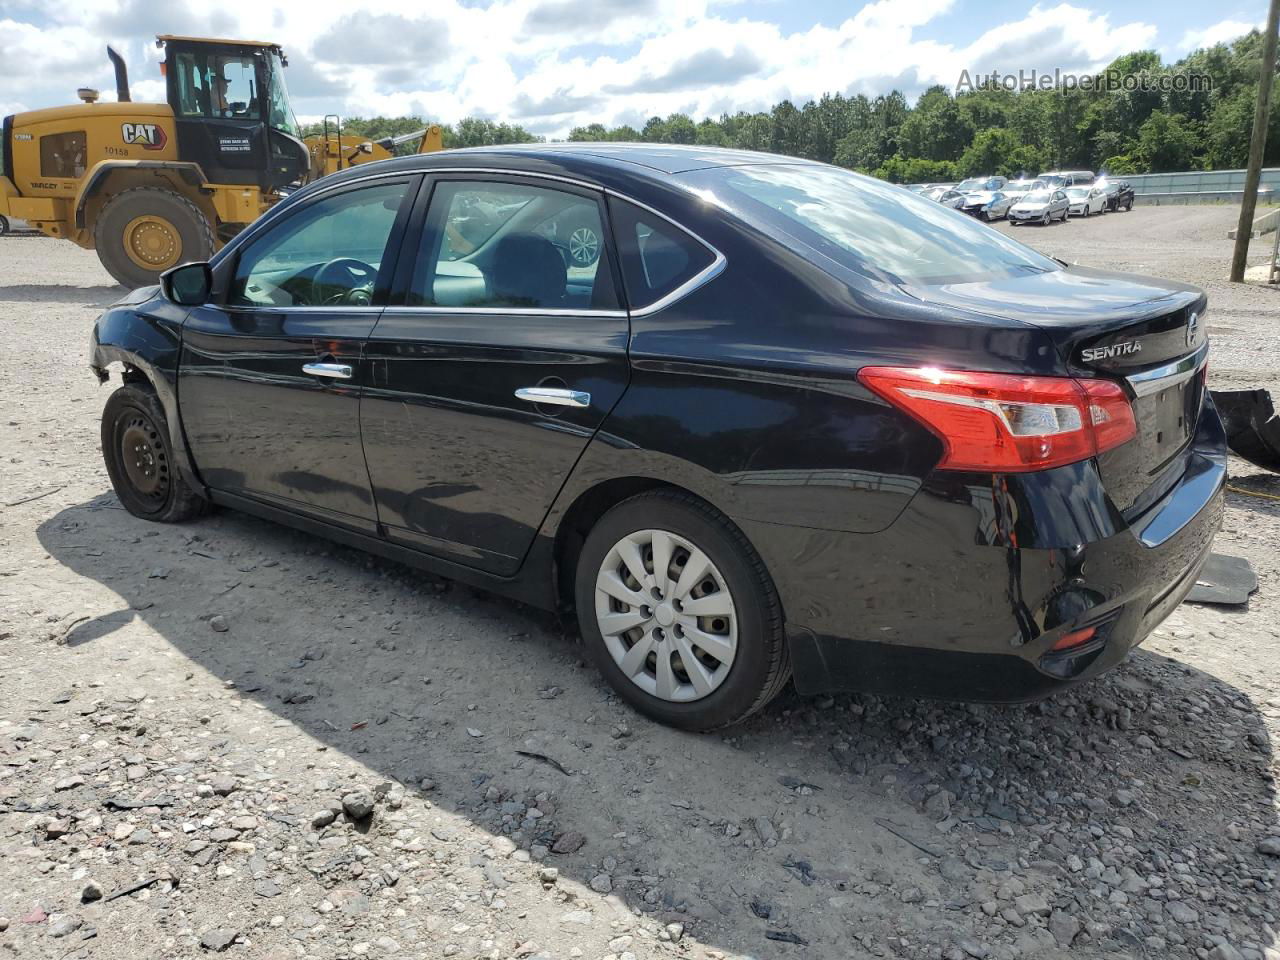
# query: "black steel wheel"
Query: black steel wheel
{"points": [[139, 459]]}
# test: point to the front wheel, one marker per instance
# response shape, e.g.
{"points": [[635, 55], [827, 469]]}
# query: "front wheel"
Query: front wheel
{"points": [[139, 458], [142, 232], [679, 614], [4, 226], [1044, 221]]}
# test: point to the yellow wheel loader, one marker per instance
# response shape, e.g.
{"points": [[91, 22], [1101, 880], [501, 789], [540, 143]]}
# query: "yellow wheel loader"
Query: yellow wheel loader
{"points": [[151, 185]]}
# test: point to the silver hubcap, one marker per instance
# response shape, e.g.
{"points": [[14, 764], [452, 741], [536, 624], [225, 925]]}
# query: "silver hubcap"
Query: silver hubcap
{"points": [[584, 245], [666, 615]]}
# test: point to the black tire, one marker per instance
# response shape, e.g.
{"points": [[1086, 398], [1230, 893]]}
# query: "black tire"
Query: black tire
{"points": [[762, 664], [194, 233], [4, 226], [153, 488]]}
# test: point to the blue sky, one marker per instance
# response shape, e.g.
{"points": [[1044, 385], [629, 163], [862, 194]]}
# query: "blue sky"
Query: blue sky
{"points": [[553, 64]]}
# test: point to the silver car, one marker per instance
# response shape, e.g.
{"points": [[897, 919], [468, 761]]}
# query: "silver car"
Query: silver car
{"points": [[987, 204], [1040, 206]]}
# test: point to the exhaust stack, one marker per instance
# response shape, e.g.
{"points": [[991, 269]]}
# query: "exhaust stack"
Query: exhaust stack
{"points": [[122, 76]]}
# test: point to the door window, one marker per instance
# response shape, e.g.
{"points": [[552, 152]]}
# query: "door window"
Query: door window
{"points": [[217, 86], [657, 256], [512, 246], [327, 253]]}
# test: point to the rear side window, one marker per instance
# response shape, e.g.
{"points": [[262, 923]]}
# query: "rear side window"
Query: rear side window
{"points": [[657, 256], [512, 246]]}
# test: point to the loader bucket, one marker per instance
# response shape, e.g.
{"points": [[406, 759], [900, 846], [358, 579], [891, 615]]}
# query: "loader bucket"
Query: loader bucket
{"points": [[1253, 429]]}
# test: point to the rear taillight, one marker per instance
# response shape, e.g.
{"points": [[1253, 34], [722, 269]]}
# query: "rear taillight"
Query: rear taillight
{"points": [[1005, 423]]}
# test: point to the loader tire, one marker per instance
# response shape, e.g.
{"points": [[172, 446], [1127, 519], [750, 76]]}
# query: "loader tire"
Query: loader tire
{"points": [[142, 232]]}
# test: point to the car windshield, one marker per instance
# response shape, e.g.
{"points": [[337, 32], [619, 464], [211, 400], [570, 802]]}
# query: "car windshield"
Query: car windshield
{"points": [[865, 225], [1077, 191], [973, 183], [1036, 196], [282, 117]]}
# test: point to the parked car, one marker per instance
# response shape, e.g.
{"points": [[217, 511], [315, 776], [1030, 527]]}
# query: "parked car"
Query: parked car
{"points": [[1119, 194], [8, 225], [1041, 206], [987, 204], [951, 198], [819, 428], [985, 183], [1085, 201], [1066, 178], [1016, 188]]}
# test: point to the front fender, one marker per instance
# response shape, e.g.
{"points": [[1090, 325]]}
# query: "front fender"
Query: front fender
{"points": [[143, 332]]}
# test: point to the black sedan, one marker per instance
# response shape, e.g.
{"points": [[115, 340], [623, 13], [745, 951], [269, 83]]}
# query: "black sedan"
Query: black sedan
{"points": [[784, 420], [1119, 194]]}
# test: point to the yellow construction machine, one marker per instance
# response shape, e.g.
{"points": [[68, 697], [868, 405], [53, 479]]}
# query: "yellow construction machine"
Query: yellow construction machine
{"points": [[151, 185]]}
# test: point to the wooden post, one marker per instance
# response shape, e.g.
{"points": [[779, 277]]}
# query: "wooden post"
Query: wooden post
{"points": [[1261, 114]]}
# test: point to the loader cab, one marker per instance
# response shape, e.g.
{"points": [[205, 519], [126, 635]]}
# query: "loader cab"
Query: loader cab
{"points": [[232, 112]]}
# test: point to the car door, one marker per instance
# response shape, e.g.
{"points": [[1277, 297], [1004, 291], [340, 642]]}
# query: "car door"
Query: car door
{"points": [[271, 375], [487, 380]]}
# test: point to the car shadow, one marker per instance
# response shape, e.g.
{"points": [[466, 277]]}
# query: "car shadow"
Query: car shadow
{"points": [[824, 827], [99, 295]]}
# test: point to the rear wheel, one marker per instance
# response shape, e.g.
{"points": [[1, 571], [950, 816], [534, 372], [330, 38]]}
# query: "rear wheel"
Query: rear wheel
{"points": [[679, 614], [140, 233], [139, 459]]}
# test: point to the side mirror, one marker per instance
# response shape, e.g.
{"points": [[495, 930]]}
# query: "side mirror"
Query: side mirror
{"points": [[187, 285]]}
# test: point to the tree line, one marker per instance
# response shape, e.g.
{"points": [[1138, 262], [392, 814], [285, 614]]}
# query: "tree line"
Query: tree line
{"points": [[1143, 127]]}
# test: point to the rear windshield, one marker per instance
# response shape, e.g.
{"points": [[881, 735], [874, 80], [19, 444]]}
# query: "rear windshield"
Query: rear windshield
{"points": [[866, 225]]}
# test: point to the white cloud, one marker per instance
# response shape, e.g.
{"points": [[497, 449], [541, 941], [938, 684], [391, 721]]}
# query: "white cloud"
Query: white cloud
{"points": [[1224, 31], [551, 64]]}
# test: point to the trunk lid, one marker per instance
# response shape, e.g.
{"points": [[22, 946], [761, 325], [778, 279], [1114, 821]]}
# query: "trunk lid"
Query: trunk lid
{"points": [[1145, 333]]}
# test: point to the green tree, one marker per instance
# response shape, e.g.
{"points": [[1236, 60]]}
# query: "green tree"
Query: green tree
{"points": [[1167, 142]]}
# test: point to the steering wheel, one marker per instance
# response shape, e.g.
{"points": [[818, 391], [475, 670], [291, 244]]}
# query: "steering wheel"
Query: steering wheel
{"points": [[353, 280]]}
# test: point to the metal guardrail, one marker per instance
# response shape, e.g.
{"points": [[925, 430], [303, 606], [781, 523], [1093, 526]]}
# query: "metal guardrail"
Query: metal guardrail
{"points": [[1201, 186]]}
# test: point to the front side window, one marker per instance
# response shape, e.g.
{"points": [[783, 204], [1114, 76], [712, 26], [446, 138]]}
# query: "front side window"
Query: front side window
{"points": [[510, 246], [327, 253], [217, 86], [866, 225]]}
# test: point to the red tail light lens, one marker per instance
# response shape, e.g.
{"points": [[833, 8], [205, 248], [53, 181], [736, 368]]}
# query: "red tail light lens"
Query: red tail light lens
{"points": [[1005, 423]]}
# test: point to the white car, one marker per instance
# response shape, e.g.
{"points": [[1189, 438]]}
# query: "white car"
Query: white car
{"points": [[1086, 201]]}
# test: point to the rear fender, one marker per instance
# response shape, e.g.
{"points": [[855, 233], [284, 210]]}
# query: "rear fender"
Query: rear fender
{"points": [[143, 333]]}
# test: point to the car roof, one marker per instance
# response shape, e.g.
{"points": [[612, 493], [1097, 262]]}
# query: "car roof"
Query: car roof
{"points": [[603, 163]]}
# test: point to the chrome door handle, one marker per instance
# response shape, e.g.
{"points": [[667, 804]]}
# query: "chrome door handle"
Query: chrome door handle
{"points": [[339, 371], [555, 396]]}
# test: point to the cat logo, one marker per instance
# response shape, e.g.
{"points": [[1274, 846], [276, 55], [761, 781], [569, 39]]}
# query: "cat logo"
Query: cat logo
{"points": [[149, 136]]}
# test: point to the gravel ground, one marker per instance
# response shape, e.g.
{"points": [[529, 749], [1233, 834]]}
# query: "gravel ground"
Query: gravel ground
{"points": [[231, 737]]}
